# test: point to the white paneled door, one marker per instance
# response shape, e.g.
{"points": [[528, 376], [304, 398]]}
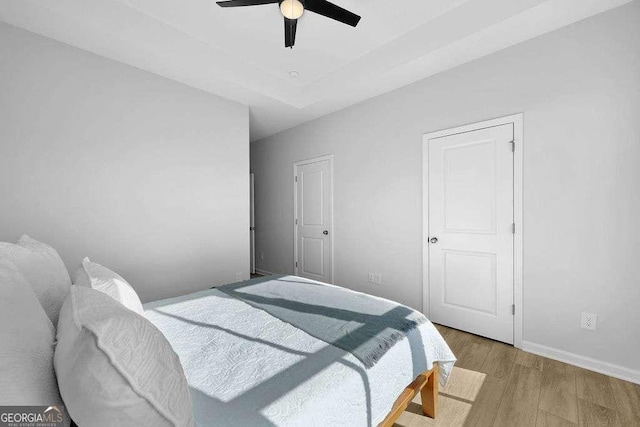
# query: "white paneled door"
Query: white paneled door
{"points": [[314, 219], [471, 226]]}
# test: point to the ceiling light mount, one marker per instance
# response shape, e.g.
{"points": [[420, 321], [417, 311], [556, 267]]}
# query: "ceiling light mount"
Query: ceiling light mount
{"points": [[291, 9]]}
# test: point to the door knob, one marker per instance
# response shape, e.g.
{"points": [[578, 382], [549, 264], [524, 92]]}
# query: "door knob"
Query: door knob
{"points": [[434, 240], [325, 232]]}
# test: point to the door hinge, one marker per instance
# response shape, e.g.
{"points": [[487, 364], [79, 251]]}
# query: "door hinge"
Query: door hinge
{"points": [[296, 177], [296, 264], [513, 309], [513, 228], [513, 146], [296, 221]]}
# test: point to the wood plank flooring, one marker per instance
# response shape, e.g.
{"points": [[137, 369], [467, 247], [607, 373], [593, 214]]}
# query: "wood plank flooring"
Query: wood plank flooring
{"points": [[494, 384]]}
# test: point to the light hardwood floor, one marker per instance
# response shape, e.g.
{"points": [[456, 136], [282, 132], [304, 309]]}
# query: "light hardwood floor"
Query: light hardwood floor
{"points": [[494, 384]]}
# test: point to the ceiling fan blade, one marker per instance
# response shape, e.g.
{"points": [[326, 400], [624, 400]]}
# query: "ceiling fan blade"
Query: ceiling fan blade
{"points": [[330, 10], [236, 3], [290, 26]]}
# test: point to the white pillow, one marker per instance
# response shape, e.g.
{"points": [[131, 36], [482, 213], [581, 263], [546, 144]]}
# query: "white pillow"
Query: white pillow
{"points": [[95, 276], [115, 368], [26, 344], [44, 270]]}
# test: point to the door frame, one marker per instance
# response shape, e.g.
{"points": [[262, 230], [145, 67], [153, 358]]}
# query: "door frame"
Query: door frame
{"points": [[296, 164], [252, 221], [518, 137]]}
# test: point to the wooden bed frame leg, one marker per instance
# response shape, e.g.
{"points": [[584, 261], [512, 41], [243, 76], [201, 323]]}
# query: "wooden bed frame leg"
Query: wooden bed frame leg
{"points": [[427, 384], [429, 394]]}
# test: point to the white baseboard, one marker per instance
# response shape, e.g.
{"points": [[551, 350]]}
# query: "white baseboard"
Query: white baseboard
{"points": [[264, 272], [596, 365]]}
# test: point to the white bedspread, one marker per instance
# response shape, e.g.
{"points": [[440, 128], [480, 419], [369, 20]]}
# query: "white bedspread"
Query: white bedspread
{"points": [[248, 368]]}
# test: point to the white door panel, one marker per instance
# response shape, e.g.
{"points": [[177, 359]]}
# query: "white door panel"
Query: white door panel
{"points": [[471, 217], [469, 180], [314, 228], [312, 183], [470, 281], [312, 256]]}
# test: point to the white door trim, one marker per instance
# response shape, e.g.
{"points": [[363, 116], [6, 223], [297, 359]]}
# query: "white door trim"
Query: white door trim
{"points": [[296, 164], [252, 223], [517, 120]]}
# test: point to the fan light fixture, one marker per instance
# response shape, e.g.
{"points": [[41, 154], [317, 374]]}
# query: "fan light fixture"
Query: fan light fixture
{"points": [[291, 9]]}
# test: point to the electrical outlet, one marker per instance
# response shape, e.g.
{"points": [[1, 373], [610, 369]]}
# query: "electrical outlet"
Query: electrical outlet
{"points": [[589, 321], [262, 256], [374, 278]]}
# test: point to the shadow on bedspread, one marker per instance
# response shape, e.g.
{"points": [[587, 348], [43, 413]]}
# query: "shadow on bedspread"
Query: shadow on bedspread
{"points": [[251, 402]]}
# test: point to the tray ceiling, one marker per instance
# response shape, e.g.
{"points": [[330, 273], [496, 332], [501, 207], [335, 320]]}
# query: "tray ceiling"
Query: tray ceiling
{"points": [[238, 53]]}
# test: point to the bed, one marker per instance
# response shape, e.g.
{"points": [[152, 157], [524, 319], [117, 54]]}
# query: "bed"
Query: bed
{"points": [[246, 367], [274, 351]]}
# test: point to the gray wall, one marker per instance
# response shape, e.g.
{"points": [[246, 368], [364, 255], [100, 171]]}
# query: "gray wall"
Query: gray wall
{"points": [[579, 90], [142, 174]]}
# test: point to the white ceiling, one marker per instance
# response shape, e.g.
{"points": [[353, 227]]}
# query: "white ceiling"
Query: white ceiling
{"points": [[239, 53]]}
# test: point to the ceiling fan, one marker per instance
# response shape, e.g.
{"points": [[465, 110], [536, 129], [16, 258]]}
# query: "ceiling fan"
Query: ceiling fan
{"points": [[293, 9]]}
